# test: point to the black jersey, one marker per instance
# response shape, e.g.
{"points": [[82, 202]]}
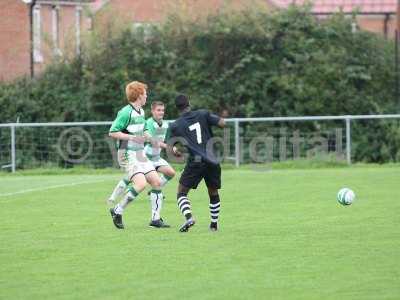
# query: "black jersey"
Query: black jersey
{"points": [[193, 129]]}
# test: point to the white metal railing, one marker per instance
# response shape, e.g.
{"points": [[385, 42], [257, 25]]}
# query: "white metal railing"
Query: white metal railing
{"points": [[235, 121], [346, 118]]}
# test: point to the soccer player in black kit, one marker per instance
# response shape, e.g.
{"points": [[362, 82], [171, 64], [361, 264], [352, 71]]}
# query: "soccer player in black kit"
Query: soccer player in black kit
{"points": [[193, 130]]}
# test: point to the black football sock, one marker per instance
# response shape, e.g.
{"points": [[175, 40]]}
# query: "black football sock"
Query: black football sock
{"points": [[184, 205], [214, 208]]}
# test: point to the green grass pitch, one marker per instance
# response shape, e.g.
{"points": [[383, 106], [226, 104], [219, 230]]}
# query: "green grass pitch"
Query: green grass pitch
{"points": [[282, 236]]}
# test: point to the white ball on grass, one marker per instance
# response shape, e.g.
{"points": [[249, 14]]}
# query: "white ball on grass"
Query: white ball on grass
{"points": [[346, 196]]}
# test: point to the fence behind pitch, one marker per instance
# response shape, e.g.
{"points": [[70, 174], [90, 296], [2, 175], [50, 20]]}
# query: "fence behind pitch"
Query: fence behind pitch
{"points": [[243, 141]]}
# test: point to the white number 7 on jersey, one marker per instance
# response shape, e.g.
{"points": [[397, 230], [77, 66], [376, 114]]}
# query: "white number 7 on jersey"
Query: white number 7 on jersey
{"points": [[196, 126]]}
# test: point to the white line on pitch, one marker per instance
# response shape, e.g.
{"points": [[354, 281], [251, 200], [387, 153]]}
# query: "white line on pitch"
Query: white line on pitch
{"points": [[51, 187]]}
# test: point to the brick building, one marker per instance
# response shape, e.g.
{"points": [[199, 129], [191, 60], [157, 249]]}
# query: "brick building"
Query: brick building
{"points": [[14, 39], [147, 11], [377, 16], [35, 32]]}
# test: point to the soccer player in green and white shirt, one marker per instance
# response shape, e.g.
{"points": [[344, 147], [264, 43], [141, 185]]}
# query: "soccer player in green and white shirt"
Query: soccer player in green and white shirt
{"points": [[128, 129], [157, 129]]}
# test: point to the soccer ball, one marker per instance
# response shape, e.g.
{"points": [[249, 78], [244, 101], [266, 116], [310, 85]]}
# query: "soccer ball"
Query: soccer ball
{"points": [[345, 196]]}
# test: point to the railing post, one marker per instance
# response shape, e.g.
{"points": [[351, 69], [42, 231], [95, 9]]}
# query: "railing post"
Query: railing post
{"points": [[13, 166], [348, 140], [237, 144]]}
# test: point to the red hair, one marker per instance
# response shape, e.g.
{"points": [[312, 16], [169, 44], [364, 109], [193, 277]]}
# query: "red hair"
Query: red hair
{"points": [[135, 89]]}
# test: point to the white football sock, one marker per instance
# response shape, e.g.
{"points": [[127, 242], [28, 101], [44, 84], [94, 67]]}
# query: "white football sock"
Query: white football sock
{"points": [[119, 189], [129, 197], [156, 200], [164, 180]]}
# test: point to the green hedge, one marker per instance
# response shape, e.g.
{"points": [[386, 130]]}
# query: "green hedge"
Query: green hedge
{"points": [[251, 64]]}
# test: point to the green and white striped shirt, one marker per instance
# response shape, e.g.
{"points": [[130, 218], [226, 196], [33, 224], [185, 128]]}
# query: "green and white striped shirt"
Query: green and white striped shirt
{"points": [[157, 131], [130, 121]]}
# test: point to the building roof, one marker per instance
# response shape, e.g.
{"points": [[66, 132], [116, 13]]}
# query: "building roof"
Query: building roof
{"points": [[79, 1], [347, 6], [98, 4], [60, 1]]}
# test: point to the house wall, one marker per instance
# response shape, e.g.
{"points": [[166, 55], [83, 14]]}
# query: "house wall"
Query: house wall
{"points": [[156, 10], [14, 39], [67, 41], [376, 24]]}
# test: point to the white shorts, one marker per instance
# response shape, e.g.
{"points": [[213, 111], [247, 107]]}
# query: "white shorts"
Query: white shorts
{"points": [[134, 162], [158, 162]]}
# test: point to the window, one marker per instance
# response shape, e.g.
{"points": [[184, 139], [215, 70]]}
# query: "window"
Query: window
{"points": [[354, 26], [37, 35], [78, 16], [144, 28], [55, 17]]}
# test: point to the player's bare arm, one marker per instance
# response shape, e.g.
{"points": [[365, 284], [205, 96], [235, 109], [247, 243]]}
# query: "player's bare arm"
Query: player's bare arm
{"points": [[221, 123]]}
